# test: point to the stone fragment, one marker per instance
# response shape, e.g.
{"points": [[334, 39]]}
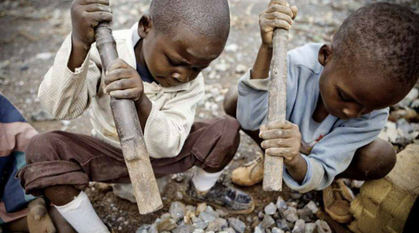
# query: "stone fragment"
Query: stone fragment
{"points": [[237, 225], [153, 229], [211, 211], [277, 230], [267, 222], [292, 204], [291, 214], [229, 230], [42, 115], [143, 229], [310, 227], [261, 214], [206, 217], [166, 225], [200, 225], [296, 195], [124, 191], [299, 226], [258, 229], [281, 205], [221, 213], [183, 229], [165, 216], [217, 225], [200, 208], [305, 214], [283, 224], [322, 227], [312, 206], [241, 69], [198, 231], [270, 209], [177, 210]]}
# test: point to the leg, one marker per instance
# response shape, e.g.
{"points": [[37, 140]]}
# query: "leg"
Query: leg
{"points": [[251, 173], [60, 164], [230, 108], [373, 161]]}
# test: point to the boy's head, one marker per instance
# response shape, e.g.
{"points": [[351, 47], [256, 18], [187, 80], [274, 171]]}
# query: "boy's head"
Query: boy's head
{"points": [[182, 37], [373, 61]]}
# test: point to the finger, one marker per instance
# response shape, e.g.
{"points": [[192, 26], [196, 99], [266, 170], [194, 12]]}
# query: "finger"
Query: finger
{"points": [[280, 2], [276, 23], [100, 16], [277, 134], [87, 2], [280, 9], [119, 85], [280, 143], [286, 153], [119, 74], [117, 64], [294, 10], [262, 127], [280, 16], [97, 7], [125, 94], [280, 124]]}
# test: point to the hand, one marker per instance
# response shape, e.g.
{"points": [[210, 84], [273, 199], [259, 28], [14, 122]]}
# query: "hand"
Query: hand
{"points": [[281, 139], [38, 218], [85, 16], [277, 15], [123, 82]]}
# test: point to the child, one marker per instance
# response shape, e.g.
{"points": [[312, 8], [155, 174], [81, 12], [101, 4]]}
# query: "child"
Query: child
{"points": [[20, 212], [169, 47], [338, 96]]}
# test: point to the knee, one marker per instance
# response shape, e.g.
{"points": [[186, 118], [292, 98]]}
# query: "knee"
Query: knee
{"points": [[376, 159], [41, 146], [230, 101]]}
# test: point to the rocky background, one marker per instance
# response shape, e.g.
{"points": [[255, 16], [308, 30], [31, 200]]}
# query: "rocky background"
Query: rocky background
{"points": [[33, 30]]}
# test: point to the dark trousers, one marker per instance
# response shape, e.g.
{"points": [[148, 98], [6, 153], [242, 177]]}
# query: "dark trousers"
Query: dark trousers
{"points": [[62, 158]]}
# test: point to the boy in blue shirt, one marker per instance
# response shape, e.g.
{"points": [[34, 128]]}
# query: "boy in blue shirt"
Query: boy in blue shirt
{"points": [[338, 96]]}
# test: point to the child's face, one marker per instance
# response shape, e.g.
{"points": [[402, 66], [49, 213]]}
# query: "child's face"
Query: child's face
{"points": [[357, 89], [180, 57]]}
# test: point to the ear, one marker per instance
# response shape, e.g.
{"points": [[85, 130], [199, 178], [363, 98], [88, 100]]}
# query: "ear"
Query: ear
{"points": [[145, 25], [325, 54]]}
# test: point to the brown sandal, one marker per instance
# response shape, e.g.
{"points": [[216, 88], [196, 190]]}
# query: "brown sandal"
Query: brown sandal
{"points": [[337, 199]]}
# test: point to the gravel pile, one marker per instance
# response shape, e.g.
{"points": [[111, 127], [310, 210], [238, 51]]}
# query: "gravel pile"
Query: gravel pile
{"points": [[295, 216]]}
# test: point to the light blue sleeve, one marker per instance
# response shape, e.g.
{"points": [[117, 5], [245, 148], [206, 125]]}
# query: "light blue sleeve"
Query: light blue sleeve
{"points": [[333, 154], [252, 104]]}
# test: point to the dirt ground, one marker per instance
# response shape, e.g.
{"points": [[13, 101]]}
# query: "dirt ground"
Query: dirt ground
{"points": [[33, 30]]}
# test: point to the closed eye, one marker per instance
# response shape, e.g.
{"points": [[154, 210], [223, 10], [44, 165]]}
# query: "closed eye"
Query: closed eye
{"points": [[343, 97]]}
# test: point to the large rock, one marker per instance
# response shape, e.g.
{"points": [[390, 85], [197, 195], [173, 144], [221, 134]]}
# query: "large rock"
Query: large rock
{"points": [[126, 192], [384, 205]]}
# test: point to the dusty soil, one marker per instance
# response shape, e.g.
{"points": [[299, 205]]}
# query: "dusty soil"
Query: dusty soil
{"points": [[33, 30]]}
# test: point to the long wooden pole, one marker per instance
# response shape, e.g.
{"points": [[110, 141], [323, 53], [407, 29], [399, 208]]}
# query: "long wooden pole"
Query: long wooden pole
{"points": [[272, 176], [130, 134]]}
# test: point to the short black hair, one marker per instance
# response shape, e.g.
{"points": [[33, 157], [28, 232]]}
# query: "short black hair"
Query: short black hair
{"points": [[385, 35], [210, 18]]}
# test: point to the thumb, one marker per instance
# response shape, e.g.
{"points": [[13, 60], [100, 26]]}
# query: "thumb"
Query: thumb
{"points": [[294, 10], [39, 213]]}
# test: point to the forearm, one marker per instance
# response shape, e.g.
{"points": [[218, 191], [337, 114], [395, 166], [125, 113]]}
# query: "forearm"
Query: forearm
{"points": [[144, 107], [78, 54], [297, 168], [263, 63]]}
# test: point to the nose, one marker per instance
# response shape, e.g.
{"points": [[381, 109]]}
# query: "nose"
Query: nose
{"points": [[352, 112], [182, 76]]}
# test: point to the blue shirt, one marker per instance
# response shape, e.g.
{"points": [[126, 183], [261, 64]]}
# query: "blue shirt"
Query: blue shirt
{"points": [[328, 146]]}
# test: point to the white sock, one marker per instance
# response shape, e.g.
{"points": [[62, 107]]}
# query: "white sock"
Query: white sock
{"points": [[204, 181], [81, 215]]}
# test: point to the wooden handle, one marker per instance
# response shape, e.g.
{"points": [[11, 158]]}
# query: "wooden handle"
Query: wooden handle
{"points": [[272, 176], [130, 134]]}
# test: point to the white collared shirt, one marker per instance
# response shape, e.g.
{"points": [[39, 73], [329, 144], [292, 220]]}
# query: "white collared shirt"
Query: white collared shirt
{"points": [[66, 95]]}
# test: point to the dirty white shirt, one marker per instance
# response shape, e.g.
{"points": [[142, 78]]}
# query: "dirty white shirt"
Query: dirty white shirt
{"points": [[328, 146], [66, 95]]}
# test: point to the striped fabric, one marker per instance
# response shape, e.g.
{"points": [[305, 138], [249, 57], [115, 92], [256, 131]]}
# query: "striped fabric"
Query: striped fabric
{"points": [[15, 134]]}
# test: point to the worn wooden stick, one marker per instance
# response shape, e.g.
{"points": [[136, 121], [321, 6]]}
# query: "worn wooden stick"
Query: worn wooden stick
{"points": [[272, 176], [130, 134]]}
